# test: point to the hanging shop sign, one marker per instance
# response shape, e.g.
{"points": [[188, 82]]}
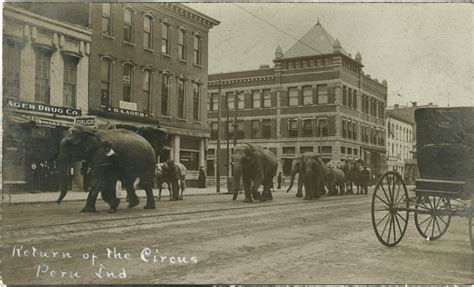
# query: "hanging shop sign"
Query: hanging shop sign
{"points": [[89, 121], [127, 112], [38, 107]]}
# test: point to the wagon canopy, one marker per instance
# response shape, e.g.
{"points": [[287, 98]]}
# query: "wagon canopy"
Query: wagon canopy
{"points": [[445, 141]]}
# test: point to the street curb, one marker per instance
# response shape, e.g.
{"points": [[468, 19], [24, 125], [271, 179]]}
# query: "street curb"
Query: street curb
{"points": [[80, 200]]}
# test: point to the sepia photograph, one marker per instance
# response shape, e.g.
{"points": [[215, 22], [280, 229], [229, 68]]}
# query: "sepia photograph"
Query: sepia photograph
{"points": [[226, 143]]}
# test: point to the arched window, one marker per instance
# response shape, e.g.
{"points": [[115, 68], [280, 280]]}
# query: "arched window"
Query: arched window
{"points": [[127, 80], [128, 25], [147, 32], [165, 27], [197, 49], [182, 44], [165, 90]]}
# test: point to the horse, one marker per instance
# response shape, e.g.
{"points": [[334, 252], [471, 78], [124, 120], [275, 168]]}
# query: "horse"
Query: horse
{"points": [[353, 170], [174, 174]]}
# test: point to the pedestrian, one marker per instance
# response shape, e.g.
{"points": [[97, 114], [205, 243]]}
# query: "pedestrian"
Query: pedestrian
{"points": [[202, 177], [279, 180], [364, 181]]}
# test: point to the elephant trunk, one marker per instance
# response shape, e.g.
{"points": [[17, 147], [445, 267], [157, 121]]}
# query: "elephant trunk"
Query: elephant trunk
{"points": [[237, 177], [292, 180], [63, 175]]}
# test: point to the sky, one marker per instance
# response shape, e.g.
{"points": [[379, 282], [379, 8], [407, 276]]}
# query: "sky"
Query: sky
{"points": [[424, 51]]}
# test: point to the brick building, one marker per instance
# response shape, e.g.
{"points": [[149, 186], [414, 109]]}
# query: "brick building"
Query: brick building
{"points": [[315, 94], [148, 68], [45, 87]]}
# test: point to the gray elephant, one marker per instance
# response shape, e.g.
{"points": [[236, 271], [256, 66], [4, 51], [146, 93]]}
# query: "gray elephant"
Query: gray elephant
{"points": [[256, 166], [335, 178], [312, 170], [135, 161], [176, 180], [296, 168]]}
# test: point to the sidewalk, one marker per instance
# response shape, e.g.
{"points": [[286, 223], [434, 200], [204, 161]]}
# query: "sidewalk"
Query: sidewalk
{"points": [[46, 197]]}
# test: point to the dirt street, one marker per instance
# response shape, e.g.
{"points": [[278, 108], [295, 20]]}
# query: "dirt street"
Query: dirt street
{"points": [[211, 239]]}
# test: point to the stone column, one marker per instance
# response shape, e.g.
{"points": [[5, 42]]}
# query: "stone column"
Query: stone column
{"points": [[202, 158], [176, 148]]}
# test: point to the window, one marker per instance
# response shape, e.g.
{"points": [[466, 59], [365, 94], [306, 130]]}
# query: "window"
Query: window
{"points": [[343, 149], [292, 96], [304, 149], [196, 101], [128, 25], [354, 99], [349, 130], [147, 91], [164, 38], [11, 69], [322, 127], [293, 128], [229, 129], [241, 101], [127, 83], [230, 100], [349, 97], [190, 159], [165, 90], [256, 100], [288, 150], [267, 98], [213, 130], [214, 102], [197, 49], [354, 131], [255, 134], [344, 96], [322, 94], [266, 129], [107, 19], [69, 81], [307, 95], [181, 97], [42, 75], [181, 44], [344, 128], [240, 130], [308, 128], [147, 33], [105, 79]]}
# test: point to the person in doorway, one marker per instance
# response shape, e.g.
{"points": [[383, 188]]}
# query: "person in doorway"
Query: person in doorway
{"points": [[202, 177], [279, 180]]}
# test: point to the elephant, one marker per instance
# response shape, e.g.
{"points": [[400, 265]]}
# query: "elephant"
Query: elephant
{"points": [[352, 171], [295, 169], [175, 181], [135, 161], [312, 170], [256, 166], [335, 178]]}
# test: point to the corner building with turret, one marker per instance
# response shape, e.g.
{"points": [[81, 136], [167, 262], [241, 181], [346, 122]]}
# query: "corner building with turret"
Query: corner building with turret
{"points": [[316, 98]]}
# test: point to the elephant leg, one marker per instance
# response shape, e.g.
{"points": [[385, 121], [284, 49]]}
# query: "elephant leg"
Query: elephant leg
{"points": [[175, 190], [308, 189], [317, 188], [299, 193], [256, 184], [150, 200], [183, 186], [266, 194], [247, 186], [132, 196], [90, 203]]}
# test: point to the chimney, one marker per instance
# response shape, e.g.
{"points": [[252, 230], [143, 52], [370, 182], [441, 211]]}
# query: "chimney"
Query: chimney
{"points": [[413, 104], [396, 106], [430, 104]]}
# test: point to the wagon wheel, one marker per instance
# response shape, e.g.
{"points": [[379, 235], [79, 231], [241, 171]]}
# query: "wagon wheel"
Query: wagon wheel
{"points": [[432, 216], [390, 209], [471, 224]]}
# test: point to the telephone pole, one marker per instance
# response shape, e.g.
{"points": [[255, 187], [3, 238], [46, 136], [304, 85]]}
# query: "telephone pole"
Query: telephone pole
{"points": [[218, 148], [236, 104]]}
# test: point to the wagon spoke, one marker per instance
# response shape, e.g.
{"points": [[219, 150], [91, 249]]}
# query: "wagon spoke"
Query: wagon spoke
{"points": [[398, 223], [388, 213], [389, 228], [382, 200], [385, 227], [425, 220], [394, 231], [385, 193], [401, 217], [401, 198], [440, 218], [428, 226], [396, 197], [382, 209], [437, 224], [433, 229]]}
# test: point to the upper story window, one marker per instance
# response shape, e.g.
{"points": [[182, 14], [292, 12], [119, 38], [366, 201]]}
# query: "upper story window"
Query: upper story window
{"points": [[165, 27], [344, 128], [128, 25], [240, 130], [69, 81], [11, 69], [230, 100], [293, 128], [214, 102], [197, 49], [293, 96], [127, 82], [181, 44], [354, 99], [181, 97], [105, 81], [323, 127], [42, 76], [344, 96], [256, 100], [240, 101], [147, 32], [266, 129], [107, 19], [165, 90], [213, 130], [196, 101], [349, 97], [147, 91], [267, 98], [307, 95], [322, 94], [354, 131], [255, 132], [308, 128]]}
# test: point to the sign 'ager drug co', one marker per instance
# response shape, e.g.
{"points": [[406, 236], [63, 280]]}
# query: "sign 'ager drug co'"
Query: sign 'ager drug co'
{"points": [[38, 107]]}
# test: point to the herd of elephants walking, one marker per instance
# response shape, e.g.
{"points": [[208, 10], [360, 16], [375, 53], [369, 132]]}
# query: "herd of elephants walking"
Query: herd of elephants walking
{"points": [[119, 154]]}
